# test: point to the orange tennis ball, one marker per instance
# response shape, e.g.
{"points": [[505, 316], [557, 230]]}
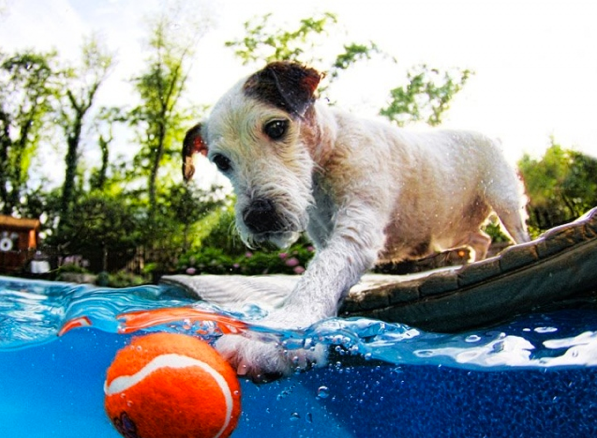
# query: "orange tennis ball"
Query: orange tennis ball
{"points": [[171, 385]]}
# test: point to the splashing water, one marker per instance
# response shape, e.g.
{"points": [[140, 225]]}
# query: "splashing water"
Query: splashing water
{"points": [[34, 312]]}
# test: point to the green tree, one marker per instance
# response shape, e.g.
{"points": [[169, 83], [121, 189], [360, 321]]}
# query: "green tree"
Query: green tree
{"points": [[178, 213], [189, 204], [159, 118], [561, 186], [222, 235], [161, 121], [426, 96], [26, 95], [104, 128], [107, 230], [266, 42], [81, 85]]}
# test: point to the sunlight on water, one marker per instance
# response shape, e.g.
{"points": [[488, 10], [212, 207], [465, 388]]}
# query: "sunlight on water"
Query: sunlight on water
{"points": [[34, 312]]}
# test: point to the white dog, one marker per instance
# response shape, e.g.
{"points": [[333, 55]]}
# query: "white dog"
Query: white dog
{"points": [[364, 191]]}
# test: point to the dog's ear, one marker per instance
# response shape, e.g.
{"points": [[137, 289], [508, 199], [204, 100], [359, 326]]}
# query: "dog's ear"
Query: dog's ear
{"points": [[193, 143], [286, 85]]}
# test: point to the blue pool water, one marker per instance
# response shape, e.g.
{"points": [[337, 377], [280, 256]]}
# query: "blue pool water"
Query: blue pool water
{"points": [[534, 376]]}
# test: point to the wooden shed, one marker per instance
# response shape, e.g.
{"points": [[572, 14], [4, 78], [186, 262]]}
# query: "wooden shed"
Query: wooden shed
{"points": [[18, 242]]}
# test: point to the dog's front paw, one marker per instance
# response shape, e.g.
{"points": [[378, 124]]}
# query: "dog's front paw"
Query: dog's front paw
{"points": [[267, 361]]}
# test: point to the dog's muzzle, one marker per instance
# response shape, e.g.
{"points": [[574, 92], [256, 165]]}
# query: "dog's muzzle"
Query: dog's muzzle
{"points": [[261, 217]]}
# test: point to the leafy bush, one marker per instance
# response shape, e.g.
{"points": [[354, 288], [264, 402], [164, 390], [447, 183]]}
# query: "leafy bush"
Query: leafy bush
{"points": [[561, 186], [73, 268], [224, 236], [493, 228], [223, 253], [120, 279], [210, 260]]}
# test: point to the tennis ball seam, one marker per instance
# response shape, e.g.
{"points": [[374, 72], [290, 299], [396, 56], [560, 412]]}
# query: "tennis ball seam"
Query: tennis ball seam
{"points": [[122, 383]]}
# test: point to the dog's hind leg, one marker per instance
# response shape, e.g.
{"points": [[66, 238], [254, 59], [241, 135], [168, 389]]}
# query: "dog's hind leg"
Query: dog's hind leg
{"points": [[479, 242]]}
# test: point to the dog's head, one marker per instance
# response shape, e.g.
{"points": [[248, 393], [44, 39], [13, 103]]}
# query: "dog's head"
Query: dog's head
{"points": [[259, 136]]}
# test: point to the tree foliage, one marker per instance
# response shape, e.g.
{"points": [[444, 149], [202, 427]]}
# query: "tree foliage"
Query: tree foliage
{"points": [[80, 85], [160, 122], [103, 126], [107, 230], [181, 208], [27, 92], [426, 96], [103, 213], [561, 186], [159, 118], [265, 42]]}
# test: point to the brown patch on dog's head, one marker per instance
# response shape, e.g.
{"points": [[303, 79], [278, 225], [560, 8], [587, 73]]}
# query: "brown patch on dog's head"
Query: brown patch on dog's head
{"points": [[193, 143], [285, 85]]}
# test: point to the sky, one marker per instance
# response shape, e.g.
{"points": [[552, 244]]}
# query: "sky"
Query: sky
{"points": [[535, 61]]}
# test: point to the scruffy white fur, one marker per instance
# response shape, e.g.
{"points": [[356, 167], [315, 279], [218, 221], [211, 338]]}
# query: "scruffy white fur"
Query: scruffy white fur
{"points": [[363, 190]]}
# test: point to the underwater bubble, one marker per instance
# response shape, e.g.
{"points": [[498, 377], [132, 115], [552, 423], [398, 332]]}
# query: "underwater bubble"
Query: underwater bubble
{"points": [[498, 347], [398, 370], [424, 353], [336, 339], [545, 329], [323, 392], [472, 338], [284, 393], [295, 416]]}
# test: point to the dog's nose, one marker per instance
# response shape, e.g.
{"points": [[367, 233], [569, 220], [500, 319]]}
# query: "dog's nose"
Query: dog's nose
{"points": [[260, 216]]}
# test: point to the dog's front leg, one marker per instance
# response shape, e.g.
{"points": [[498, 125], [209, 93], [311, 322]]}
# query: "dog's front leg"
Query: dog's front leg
{"points": [[350, 250], [330, 275]]}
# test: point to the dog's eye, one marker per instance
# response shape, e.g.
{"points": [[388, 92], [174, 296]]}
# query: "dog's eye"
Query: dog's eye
{"points": [[276, 129], [222, 162]]}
